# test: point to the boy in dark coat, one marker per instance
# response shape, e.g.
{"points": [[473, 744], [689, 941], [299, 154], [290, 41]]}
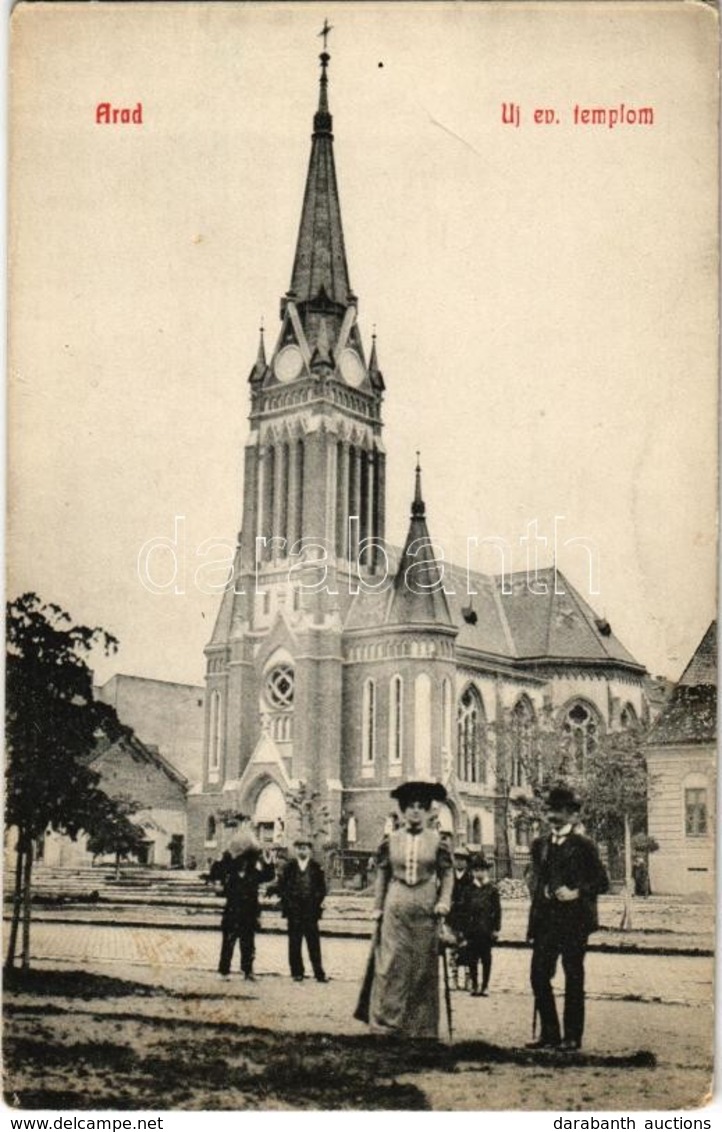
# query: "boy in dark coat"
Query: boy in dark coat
{"points": [[567, 876], [302, 888], [245, 868], [482, 923]]}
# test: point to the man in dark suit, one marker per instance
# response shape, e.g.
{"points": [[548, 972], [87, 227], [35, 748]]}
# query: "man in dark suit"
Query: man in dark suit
{"points": [[244, 868], [302, 888], [567, 875]]}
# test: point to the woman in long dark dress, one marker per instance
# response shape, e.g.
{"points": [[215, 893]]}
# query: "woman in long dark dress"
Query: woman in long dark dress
{"points": [[413, 893]]}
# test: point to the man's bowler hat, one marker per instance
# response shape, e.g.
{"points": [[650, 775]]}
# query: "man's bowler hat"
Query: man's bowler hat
{"points": [[562, 798]]}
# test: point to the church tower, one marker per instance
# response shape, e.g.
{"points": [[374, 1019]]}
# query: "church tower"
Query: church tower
{"points": [[314, 458], [313, 516]]}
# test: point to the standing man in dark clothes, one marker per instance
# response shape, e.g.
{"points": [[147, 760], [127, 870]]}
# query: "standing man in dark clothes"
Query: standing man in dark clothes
{"points": [[302, 888], [245, 869], [482, 922], [566, 878], [457, 916]]}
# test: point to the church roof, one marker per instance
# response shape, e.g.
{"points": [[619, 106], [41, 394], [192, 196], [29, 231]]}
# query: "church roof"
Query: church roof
{"points": [[691, 714], [540, 620], [319, 266], [513, 617]]}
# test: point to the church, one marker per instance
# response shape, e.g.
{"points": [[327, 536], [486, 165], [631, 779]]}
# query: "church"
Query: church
{"points": [[339, 665]]}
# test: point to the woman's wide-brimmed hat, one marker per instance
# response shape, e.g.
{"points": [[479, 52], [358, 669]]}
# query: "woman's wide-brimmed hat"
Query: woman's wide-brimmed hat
{"points": [[419, 789]]}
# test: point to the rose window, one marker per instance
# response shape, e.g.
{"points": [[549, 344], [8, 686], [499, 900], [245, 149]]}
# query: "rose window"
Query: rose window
{"points": [[279, 686]]}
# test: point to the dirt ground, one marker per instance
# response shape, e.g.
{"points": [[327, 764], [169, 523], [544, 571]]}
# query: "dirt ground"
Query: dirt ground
{"points": [[185, 1041]]}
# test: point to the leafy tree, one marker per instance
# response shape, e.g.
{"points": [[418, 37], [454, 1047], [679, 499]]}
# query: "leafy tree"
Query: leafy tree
{"points": [[51, 724], [313, 819], [614, 789], [537, 759], [114, 832], [612, 784]]}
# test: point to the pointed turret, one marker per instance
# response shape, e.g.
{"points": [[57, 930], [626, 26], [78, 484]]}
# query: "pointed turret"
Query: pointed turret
{"points": [[320, 272], [260, 366], [375, 375], [419, 596]]}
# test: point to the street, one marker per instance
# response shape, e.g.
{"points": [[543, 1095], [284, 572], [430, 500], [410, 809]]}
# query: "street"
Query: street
{"points": [[668, 980]]}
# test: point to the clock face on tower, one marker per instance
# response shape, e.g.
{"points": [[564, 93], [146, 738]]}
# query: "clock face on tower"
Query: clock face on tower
{"points": [[352, 368], [288, 363]]}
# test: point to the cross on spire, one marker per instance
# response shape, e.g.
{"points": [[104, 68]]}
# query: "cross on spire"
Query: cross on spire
{"points": [[324, 32]]}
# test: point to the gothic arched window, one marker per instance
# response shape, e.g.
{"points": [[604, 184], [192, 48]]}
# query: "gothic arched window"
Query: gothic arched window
{"points": [[523, 723], [471, 751], [628, 718], [214, 737], [368, 724], [445, 726], [476, 831], [581, 728], [396, 721]]}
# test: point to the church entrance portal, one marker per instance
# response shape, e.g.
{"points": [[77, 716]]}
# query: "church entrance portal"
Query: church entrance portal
{"points": [[269, 815]]}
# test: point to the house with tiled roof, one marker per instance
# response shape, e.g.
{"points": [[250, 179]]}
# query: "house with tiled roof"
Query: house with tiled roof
{"points": [[135, 771], [339, 662], [681, 762]]}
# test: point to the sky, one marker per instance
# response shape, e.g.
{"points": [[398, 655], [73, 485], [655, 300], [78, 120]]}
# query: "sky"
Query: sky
{"points": [[545, 296]]}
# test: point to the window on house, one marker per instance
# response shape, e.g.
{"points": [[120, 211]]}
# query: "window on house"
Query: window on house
{"points": [[210, 830], [695, 809]]}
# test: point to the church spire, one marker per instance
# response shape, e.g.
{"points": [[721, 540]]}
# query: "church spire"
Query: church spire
{"points": [[419, 596], [418, 507], [320, 271], [260, 367], [375, 375]]}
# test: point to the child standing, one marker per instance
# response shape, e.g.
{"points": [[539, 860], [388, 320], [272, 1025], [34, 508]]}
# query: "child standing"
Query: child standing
{"points": [[457, 916], [483, 921]]}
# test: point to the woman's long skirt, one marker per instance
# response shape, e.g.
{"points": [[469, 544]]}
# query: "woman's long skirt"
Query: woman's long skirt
{"points": [[405, 991]]}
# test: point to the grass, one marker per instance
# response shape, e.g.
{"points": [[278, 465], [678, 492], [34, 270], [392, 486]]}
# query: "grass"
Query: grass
{"points": [[63, 1050]]}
